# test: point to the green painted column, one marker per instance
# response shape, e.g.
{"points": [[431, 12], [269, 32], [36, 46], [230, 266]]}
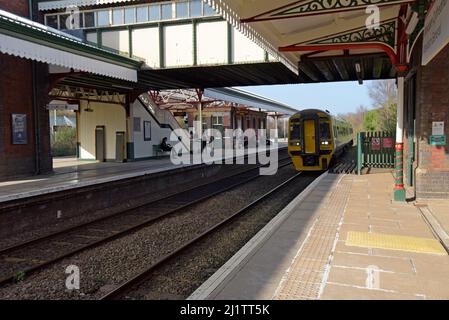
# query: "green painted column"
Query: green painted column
{"points": [[359, 153], [399, 191]]}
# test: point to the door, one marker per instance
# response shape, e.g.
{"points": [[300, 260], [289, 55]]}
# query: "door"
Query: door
{"points": [[120, 146], [100, 143], [309, 136]]}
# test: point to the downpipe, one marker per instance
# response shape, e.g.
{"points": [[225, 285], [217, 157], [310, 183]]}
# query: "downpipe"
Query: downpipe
{"points": [[36, 120]]}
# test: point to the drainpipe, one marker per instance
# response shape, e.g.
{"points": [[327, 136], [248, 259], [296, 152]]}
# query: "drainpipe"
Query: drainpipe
{"points": [[37, 163]]}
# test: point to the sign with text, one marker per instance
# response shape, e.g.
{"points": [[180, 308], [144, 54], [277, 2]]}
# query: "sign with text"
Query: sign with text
{"points": [[437, 128], [19, 129], [63, 107], [387, 143], [436, 30], [375, 144]]}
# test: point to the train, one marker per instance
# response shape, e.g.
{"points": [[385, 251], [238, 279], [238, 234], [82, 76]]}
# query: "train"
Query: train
{"points": [[316, 138]]}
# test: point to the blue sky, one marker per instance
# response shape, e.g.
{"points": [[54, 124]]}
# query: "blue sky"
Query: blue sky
{"points": [[337, 97]]}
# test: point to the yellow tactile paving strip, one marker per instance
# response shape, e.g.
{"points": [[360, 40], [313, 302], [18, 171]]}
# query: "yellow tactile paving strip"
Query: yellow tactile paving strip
{"points": [[394, 242]]}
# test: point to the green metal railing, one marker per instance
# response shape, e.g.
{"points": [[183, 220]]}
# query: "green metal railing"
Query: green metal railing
{"points": [[375, 150]]}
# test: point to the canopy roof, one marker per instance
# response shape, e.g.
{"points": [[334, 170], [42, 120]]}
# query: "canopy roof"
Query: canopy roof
{"points": [[250, 99], [325, 40], [28, 39]]}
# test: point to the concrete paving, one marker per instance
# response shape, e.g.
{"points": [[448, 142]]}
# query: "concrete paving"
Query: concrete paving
{"points": [[307, 255]]}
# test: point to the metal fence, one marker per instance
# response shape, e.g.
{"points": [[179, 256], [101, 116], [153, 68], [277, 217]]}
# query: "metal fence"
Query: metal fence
{"points": [[375, 150]]}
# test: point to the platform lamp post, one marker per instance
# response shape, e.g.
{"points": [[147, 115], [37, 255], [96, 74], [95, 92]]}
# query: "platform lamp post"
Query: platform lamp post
{"points": [[399, 191]]}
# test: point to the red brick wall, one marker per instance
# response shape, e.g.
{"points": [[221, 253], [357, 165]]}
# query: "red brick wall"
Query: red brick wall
{"points": [[432, 98], [16, 97], [19, 7]]}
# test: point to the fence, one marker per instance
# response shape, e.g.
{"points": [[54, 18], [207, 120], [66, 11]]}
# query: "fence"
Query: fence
{"points": [[375, 150]]}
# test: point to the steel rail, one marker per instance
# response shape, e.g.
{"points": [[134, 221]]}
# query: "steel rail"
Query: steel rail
{"points": [[10, 278], [143, 276]]}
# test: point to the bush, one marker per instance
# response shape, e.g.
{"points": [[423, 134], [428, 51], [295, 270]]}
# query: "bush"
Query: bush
{"points": [[63, 142]]}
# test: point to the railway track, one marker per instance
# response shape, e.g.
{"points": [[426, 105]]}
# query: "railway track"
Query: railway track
{"points": [[21, 260], [126, 289]]}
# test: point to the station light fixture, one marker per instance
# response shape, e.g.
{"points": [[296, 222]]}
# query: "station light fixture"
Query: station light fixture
{"points": [[413, 22]]}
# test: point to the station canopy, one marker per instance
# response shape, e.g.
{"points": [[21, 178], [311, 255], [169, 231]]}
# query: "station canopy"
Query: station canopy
{"points": [[181, 99], [27, 39], [324, 40]]}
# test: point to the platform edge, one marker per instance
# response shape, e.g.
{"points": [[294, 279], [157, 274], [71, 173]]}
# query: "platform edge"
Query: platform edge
{"points": [[212, 286]]}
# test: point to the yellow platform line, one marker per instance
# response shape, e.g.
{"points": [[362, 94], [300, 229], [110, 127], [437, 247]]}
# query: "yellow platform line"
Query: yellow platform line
{"points": [[394, 242]]}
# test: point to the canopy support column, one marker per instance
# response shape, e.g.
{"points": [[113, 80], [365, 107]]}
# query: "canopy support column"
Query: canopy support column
{"points": [[399, 191]]}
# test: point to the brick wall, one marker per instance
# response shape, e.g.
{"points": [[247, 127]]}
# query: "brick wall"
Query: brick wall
{"points": [[19, 7], [16, 97], [432, 99]]}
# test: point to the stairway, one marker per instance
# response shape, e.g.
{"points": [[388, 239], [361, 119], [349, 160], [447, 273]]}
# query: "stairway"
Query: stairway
{"points": [[164, 118]]}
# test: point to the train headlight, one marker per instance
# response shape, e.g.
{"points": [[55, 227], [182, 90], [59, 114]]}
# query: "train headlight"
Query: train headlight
{"points": [[325, 142]]}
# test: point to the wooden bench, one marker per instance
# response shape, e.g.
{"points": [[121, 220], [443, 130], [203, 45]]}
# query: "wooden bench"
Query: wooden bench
{"points": [[157, 150]]}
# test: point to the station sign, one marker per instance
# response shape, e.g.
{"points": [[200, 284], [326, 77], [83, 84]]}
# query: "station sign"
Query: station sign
{"points": [[19, 128], [387, 143], [437, 140], [437, 128], [436, 30], [63, 107]]}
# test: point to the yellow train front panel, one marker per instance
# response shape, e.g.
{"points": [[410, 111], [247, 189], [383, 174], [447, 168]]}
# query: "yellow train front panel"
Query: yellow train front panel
{"points": [[312, 140]]}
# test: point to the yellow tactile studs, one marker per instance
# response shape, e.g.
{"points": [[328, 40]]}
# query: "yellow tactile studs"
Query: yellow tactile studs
{"points": [[394, 242]]}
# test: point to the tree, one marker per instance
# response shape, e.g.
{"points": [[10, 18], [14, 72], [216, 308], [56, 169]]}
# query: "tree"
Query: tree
{"points": [[384, 95], [371, 120]]}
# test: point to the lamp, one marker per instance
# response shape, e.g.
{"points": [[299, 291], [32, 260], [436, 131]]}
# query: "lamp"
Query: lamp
{"points": [[88, 109]]}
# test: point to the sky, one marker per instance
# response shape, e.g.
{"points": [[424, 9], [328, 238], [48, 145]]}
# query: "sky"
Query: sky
{"points": [[337, 97]]}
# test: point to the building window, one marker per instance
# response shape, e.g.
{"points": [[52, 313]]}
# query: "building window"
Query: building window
{"points": [[130, 15], [63, 21], [155, 13], [208, 10], [167, 12], [217, 121], [89, 19], [52, 21], [142, 14], [182, 10], [117, 16], [196, 8], [102, 18]]}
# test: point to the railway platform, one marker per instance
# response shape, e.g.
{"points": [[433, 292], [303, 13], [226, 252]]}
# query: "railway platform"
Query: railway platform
{"points": [[342, 238], [70, 173]]}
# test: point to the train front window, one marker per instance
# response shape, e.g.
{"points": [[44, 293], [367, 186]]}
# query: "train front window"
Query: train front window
{"points": [[295, 131], [325, 131]]}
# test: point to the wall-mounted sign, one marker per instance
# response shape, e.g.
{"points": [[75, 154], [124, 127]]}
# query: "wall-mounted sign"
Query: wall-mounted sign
{"points": [[436, 30], [63, 106], [19, 129], [387, 143], [437, 140], [147, 131], [179, 114], [375, 144], [437, 128]]}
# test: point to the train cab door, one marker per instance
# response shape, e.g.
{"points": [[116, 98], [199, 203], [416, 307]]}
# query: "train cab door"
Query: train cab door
{"points": [[309, 136]]}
